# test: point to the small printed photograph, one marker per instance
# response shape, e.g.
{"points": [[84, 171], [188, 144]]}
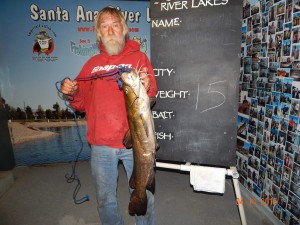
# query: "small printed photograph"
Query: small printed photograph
{"points": [[283, 72], [280, 21], [295, 74], [244, 105], [271, 160], [242, 147], [249, 24], [276, 95], [287, 85], [253, 112], [284, 124], [257, 30], [277, 109], [272, 55], [285, 98], [275, 122], [252, 93], [296, 35], [286, 48], [260, 127], [281, 137], [296, 65], [263, 50], [251, 149], [253, 121], [285, 108], [295, 52], [272, 13], [286, 62], [254, 163], [259, 140], [263, 160], [264, 19], [242, 127], [288, 160], [295, 107], [293, 209], [268, 122], [296, 6], [249, 50], [277, 211], [287, 33], [255, 11], [275, 191], [280, 8], [274, 67], [288, 13], [271, 43], [248, 38], [286, 176], [277, 178], [244, 30], [286, 217], [264, 33], [261, 113], [290, 148], [255, 66], [273, 135], [279, 151], [278, 165], [282, 200], [294, 199], [296, 169], [293, 122], [249, 185], [246, 8], [270, 172], [296, 179], [297, 158], [296, 89], [247, 65], [264, 147], [296, 18], [292, 138], [256, 190]]}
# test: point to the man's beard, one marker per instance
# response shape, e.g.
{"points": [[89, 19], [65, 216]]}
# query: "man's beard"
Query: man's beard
{"points": [[113, 44]]}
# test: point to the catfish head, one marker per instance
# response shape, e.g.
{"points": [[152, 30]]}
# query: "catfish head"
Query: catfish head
{"points": [[132, 86]]}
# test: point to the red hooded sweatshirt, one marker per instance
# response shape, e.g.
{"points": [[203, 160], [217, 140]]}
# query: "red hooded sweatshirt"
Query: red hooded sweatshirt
{"points": [[103, 100]]}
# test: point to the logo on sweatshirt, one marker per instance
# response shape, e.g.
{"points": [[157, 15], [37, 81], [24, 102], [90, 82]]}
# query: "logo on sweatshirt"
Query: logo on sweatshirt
{"points": [[109, 67]]}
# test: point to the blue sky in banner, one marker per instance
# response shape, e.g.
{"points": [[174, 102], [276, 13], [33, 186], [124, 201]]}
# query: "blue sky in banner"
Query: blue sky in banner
{"points": [[28, 71]]}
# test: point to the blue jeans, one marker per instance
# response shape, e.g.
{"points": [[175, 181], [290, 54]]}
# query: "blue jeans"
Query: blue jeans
{"points": [[104, 166]]}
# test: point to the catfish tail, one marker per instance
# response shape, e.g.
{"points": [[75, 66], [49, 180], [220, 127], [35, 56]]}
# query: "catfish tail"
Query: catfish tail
{"points": [[137, 206]]}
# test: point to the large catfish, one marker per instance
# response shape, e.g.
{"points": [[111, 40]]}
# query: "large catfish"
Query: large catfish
{"points": [[141, 137]]}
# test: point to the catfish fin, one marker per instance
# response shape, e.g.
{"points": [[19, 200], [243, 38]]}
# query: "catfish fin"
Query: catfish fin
{"points": [[152, 101], [127, 139], [137, 205], [151, 185], [156, 146]]}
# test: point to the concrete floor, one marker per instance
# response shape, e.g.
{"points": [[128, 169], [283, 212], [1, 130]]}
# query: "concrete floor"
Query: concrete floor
{"points": [[40, 195]]}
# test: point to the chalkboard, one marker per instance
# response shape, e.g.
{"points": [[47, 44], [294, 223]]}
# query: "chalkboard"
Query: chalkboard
{"points": [[195, 50]]}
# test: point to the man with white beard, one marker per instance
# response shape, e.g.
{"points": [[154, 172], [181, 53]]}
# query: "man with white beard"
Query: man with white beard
{"points": [[104, 104]]}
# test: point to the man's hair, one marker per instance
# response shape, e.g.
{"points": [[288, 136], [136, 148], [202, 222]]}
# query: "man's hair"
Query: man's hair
{"points": [[114, 12]]}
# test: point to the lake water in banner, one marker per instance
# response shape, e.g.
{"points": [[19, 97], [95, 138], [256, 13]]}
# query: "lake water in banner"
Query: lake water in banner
{"points": [[64, 147]]}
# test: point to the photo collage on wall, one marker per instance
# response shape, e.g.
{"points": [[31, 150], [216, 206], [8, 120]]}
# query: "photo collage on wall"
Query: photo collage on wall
{"points": [[268, 136]]}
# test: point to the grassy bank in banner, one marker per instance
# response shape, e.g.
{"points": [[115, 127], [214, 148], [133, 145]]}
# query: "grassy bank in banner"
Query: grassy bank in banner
{"points": [[28, 131]]}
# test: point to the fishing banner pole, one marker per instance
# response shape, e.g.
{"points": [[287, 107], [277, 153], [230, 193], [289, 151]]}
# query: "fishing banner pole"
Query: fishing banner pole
{"points": [[229, 172]]}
